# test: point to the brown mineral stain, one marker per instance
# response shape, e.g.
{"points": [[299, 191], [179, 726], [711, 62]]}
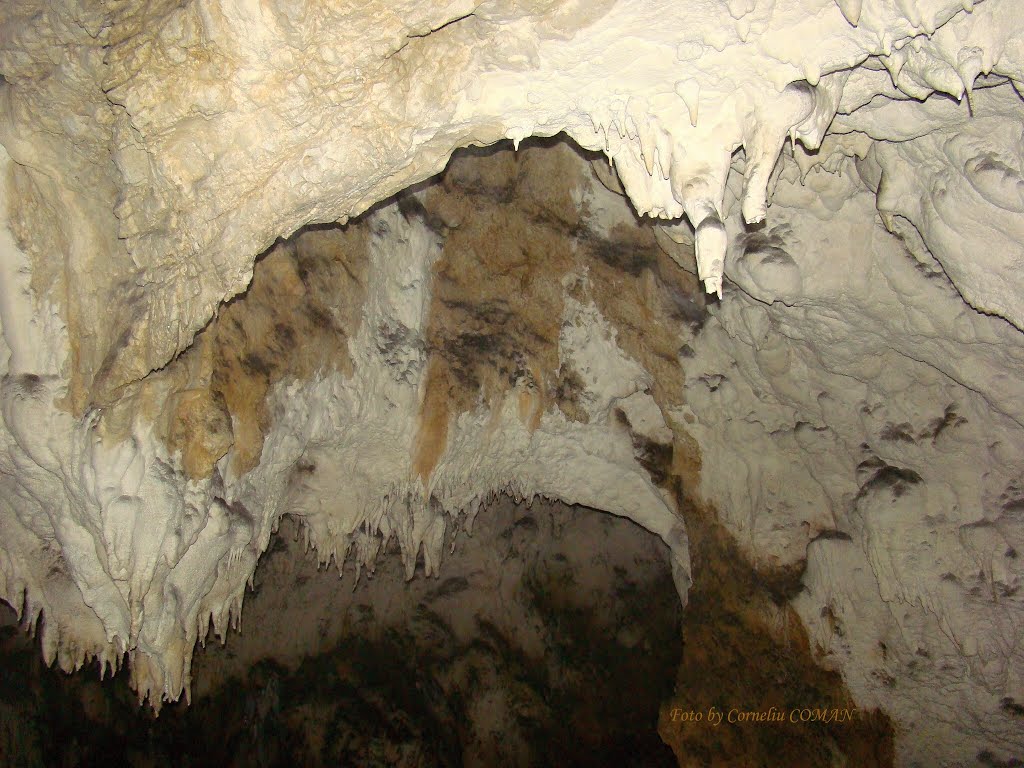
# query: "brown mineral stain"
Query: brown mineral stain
{"points": [[512, 229], [653, 304], [200, 427], [432, 434], [496, 294], [745, 648], [686, 458], [304, 303]]}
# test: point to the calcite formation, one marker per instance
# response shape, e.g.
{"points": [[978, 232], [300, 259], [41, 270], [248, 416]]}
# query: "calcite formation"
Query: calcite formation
{"points": [[518, 654], [229, 293]]}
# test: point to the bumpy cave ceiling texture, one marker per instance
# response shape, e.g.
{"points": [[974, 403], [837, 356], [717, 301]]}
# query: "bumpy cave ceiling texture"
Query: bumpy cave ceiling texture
{"points": [[512, 382]]}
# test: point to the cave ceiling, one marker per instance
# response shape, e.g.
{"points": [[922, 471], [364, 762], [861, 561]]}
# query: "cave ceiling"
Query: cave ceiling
{"points": [[745, 265]]}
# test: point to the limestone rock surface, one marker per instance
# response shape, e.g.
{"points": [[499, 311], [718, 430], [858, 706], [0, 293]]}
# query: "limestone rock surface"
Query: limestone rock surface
{"points": [[778, 278]]}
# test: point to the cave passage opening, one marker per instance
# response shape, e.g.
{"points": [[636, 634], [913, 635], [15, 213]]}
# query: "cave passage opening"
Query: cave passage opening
{"points": [[551, 638]]}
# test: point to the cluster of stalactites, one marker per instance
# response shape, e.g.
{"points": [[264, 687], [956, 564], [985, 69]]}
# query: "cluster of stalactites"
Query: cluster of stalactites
{"points": [[674, 158], [666, 177]]}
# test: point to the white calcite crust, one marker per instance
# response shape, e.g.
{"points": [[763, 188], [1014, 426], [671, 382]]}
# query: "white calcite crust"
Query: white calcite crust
{"points": [[872, 425], [846, 175], [188, 138]]}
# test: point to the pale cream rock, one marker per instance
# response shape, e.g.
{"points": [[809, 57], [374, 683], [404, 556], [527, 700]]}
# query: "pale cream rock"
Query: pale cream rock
{"points": [[152, 150]]}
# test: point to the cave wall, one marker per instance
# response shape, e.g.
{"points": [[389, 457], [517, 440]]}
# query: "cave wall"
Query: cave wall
{"points": [[849, 430], [177, 377]]}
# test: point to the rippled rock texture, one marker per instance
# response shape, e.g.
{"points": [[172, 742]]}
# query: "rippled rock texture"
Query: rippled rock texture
{"points": [[782, 325]]}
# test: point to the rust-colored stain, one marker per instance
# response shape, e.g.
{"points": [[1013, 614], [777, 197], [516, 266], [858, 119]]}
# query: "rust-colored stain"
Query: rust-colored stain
{"points": [[745, 649], [432, 433], [304, 303], [512, 230]]}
